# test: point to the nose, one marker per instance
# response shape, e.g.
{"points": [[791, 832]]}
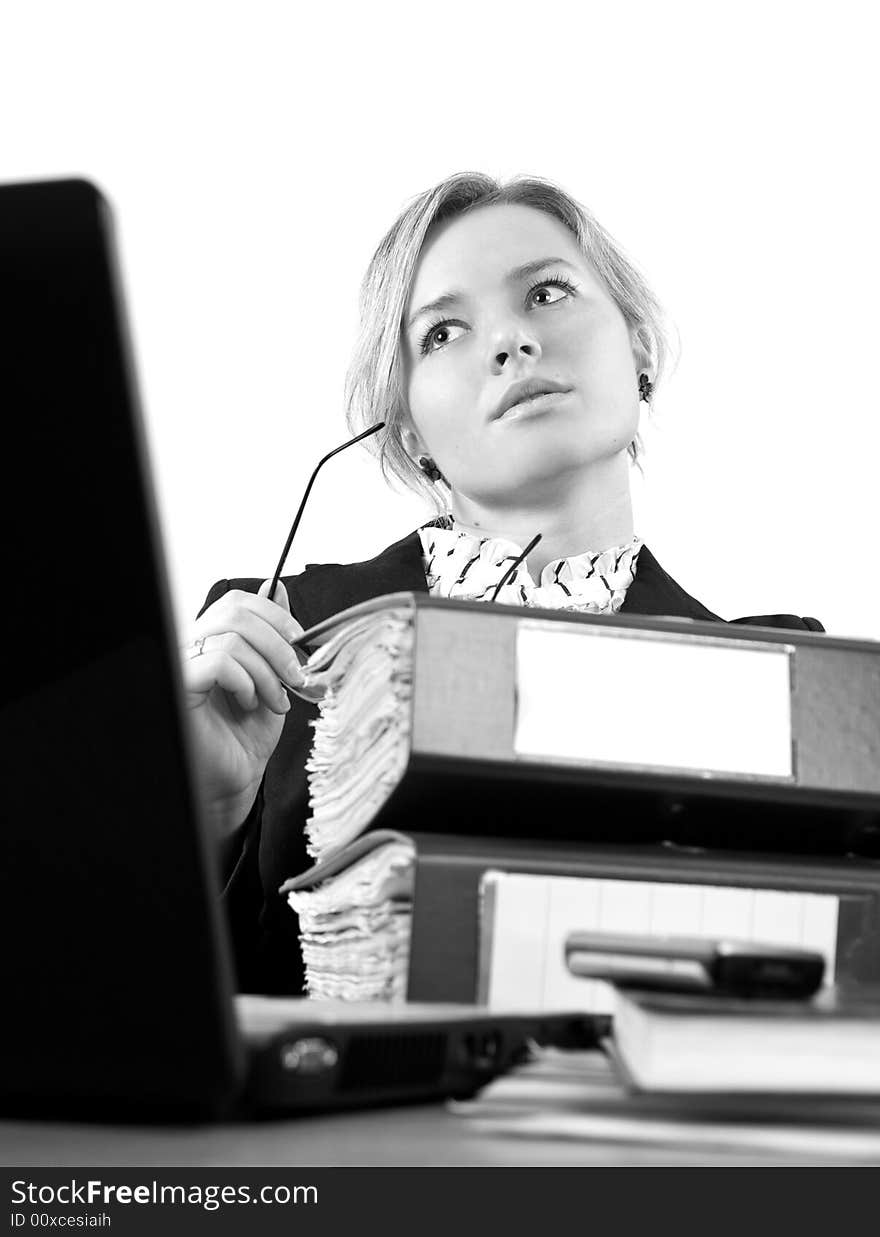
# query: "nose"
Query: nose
{"points": [[511, 343]]}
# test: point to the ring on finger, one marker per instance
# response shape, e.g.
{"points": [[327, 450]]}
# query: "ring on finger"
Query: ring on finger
{"points": [[197, 647]]}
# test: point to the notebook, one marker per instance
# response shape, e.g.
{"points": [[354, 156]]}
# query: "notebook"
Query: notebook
{"points": [[115, 962], [685, 1043]]}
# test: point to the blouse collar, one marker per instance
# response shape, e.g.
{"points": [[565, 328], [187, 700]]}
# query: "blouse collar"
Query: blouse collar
{"points": [[463, 562]]}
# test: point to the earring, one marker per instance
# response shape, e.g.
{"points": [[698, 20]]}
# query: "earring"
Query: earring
{"points": [[646, 388], [429, 468]]}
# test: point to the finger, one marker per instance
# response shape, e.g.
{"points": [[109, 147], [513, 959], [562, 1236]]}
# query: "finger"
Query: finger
{"points": [[266, 680], [280, 596], [203, 673], [282, 599], [218, 624], [276, 613]]}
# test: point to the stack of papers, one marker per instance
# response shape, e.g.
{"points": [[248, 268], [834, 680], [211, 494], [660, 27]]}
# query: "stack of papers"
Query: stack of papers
{"points": [[361, 740], [355, 924], [355, 904]]}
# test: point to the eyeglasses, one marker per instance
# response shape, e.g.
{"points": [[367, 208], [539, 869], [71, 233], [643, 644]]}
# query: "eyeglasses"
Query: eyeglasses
{"points": [[374, 429]]}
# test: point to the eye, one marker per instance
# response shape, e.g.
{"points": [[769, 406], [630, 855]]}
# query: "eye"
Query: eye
{"points": [[439, 335], [554, 289]]}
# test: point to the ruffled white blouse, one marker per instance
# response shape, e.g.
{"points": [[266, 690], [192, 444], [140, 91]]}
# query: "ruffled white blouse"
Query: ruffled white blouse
{"points": [[459, 562]]}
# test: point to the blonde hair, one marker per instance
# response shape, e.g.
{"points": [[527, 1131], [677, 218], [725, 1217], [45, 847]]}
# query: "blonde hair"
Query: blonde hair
{"points": [[374, 389]]}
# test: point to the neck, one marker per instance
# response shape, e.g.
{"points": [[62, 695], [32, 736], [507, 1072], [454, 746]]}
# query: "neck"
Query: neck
{"points": [[572, 515]]}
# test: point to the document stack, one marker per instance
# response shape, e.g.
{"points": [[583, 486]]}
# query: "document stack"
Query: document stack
{"points": [[355, 914], [361, 740], [460, 720], [355, 917]]}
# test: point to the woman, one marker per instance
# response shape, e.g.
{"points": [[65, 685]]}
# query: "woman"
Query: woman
{"points": [[507, 343]]}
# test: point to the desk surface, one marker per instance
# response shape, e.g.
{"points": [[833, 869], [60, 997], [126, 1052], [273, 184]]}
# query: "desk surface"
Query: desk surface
{"points": [[579, 1122], [426, 1136]]}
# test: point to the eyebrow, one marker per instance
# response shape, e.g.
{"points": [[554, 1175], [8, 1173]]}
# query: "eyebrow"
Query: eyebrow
{"points": [[512, 276]]}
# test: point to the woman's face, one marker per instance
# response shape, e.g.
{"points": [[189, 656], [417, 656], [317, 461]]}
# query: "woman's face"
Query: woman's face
{"points": [[503, 296]]}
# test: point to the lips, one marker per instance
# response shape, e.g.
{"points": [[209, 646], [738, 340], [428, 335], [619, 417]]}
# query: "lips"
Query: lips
{"points": [[520, 392]]}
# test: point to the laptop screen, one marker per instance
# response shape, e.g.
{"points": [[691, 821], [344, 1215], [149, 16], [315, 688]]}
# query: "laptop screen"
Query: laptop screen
{"points": [[114, 954]]}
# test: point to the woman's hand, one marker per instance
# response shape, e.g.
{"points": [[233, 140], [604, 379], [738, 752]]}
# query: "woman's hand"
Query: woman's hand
{"points": [[234, 666]]}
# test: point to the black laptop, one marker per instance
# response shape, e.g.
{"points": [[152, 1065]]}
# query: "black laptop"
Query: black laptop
{"points": [[115, 963]]}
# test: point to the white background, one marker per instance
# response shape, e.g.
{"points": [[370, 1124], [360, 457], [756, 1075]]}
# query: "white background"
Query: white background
{"points": [[256, 153]]}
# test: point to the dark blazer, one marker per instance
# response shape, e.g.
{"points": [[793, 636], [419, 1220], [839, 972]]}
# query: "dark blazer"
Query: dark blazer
{"points": [[270, 846]]}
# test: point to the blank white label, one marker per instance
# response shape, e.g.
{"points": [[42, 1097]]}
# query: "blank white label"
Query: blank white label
{"points": [[603, 696]]}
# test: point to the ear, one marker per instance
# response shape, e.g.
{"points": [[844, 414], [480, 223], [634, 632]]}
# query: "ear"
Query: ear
{"points": [[412, 442]]}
